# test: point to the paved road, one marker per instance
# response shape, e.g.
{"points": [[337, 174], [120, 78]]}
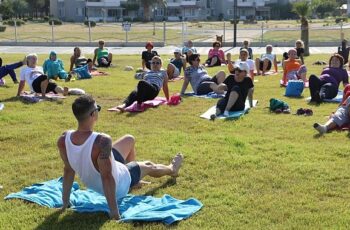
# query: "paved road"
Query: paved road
{"points": [[138, 50]]}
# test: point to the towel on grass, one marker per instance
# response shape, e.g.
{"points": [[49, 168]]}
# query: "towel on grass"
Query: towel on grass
{"points": [[337, 99], [145, 105], [132, 208], [34, 98], [210, 95], [232, 115]]}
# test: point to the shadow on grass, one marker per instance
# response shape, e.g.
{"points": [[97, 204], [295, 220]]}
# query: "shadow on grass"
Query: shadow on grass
{"points": [[73, 220], [169, 182], [11, 99]]}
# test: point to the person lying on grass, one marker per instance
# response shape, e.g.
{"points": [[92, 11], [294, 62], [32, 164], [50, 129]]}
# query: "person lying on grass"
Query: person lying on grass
{"points": [[238, 87], [104, 166], [293, 69], [10, 70], [199, 78], [148, 88], [37, 80]]}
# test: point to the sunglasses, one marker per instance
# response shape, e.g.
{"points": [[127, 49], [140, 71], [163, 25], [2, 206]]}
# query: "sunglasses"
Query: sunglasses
{"points": [[98, 108], [155, 63]]}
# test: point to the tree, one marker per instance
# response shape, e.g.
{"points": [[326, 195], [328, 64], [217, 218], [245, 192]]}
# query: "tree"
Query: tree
{"points": [[147, 4], [324, 7], [6, 9], [303, 9]]}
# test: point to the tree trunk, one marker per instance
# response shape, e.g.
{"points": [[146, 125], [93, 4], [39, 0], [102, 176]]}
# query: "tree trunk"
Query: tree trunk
{"points": [[146, 13], [305, 35]]}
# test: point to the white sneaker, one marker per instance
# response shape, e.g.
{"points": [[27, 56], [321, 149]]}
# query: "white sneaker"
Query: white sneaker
{"points": [[226, 113]]}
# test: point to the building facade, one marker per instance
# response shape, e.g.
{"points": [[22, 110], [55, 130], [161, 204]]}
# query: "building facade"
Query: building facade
{"points": [[176, 10]]}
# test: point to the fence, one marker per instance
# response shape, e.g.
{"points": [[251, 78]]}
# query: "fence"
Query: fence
{"points": [[172, 33]]}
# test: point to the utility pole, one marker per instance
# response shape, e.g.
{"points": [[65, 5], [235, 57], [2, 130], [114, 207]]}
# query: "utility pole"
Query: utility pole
{"points": [[235, 23]]}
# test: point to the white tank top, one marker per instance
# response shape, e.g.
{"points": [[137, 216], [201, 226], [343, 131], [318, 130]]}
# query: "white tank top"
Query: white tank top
{"points": [[79, 158]]}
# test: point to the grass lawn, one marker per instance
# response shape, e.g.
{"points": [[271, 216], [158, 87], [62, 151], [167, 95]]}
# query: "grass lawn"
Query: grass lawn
{"points": [[264, 171]]}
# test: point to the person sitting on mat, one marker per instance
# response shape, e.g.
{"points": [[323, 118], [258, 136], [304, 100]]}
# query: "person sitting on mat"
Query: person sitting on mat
{"points": [[147, 56], [106, 167], [176, 64], [102, 55], [216, 56], [243, 57], [37, 80], [299, 47], [149, 87], [326, 87], [337, 120], [10, 70], [265, 62], [53, 67], [199, 78], [293, 69], [77, 59], [238, 86]]}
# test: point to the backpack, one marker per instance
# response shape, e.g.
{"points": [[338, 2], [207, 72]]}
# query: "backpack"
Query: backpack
{"points": [[276, 104]]}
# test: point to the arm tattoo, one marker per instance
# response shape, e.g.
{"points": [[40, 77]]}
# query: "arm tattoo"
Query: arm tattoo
{"points": [[105, 144]]}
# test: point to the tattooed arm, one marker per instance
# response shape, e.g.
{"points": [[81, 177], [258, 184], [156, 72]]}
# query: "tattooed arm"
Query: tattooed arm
{"points": [[104, 162], [68, 172]]}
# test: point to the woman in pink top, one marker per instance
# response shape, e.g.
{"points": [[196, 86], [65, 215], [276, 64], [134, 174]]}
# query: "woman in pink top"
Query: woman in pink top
{"points": [[215, 56]]}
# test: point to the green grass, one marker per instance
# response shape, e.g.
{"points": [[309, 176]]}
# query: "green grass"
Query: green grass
{"points": [[263, 171]]}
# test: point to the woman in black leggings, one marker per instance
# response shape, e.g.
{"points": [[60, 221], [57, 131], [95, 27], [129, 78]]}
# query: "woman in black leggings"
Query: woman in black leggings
{"points": [[326, 87], [148, 88]]}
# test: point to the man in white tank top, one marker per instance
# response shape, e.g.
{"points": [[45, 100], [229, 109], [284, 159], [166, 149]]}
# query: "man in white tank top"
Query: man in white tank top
{"points": [[265, 62], [105, 167]]}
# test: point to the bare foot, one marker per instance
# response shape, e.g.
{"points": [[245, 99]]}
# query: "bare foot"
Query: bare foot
{"points": [[65, 91], [121, 107], [176, 164], [140, 184]]}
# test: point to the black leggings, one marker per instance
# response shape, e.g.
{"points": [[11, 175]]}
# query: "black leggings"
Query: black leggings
{"points": [[143, 92], [320, 90]]}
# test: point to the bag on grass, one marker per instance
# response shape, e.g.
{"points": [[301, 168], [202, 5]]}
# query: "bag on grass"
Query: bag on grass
{"points": [[276, 104], [294, 88]]}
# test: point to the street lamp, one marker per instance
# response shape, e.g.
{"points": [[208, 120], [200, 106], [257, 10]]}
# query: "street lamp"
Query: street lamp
{"points": [[235, 23], [341, 30], [154, 20]]}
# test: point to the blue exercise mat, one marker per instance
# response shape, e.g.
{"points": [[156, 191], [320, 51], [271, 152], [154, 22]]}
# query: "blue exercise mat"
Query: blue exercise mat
{"points": [[337, 99], [232, 115], [132, 208], [210, 95]]}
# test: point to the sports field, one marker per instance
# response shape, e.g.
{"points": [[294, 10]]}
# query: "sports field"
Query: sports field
{"points": [[263, 171]]}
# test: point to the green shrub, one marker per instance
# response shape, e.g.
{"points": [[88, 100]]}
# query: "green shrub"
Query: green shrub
{"points": [[56, 22], [2, 28], [11, 22], [46, 18], [92, 23], [344, 19]]}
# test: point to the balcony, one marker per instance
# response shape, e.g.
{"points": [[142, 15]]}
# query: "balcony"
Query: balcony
{"points": [[174, 3], [188, 3], [103, 3]]}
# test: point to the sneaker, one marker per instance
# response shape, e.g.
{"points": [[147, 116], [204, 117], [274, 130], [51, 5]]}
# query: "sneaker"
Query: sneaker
{"points": [[226, 113], [308, 112], [300, 111], [68, 78]]}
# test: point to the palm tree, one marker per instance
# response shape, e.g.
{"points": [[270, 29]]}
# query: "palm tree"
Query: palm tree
{"points": [[148, 4], [302, 9]]}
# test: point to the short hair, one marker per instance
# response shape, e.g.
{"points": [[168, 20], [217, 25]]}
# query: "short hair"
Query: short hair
{"points": [[82, 106], [101, 42], [31, 56], [244, 51], [192, 58], [340, 58], [216, 43], [292, 50], [158, 58], [88, 60], [246, 41], [76, 48]]}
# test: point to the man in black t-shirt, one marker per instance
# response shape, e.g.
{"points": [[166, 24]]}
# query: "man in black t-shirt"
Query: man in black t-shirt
{"points": [[147, 56], [238, 86]]}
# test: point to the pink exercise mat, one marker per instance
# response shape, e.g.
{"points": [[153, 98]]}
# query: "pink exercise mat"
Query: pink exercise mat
{"points": [[145, 105]]}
